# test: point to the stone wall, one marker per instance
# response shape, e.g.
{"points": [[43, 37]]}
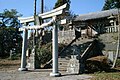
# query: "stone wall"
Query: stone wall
{"points": [[109, 41], [66, 36]]}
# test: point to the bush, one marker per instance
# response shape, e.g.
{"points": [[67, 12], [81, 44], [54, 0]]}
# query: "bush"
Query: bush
{"points": [[118, 63], [44, 54], [99, 63]]}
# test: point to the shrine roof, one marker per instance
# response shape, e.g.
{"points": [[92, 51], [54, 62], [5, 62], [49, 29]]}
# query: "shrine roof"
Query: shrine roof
{"points": [[96, 15]]}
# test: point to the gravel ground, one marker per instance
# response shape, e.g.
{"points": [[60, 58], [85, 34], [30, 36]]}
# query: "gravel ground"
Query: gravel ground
{"points": [[39, 75], [8, 71]]}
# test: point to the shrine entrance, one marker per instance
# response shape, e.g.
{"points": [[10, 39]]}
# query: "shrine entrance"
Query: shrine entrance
{"points": [[51, 14]]}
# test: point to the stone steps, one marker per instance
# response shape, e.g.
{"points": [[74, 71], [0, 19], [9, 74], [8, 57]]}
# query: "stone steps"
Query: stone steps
{"points": [[82, 41], [62, 64]]}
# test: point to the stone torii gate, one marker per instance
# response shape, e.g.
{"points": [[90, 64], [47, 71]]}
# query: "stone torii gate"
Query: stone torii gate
{"points": [[51, 14]]}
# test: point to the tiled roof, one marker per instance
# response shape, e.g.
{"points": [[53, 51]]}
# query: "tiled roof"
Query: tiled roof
{"points": [[96, 15]]}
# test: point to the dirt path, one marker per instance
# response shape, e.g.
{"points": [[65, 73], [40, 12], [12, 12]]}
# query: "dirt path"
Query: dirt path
{"points": [[8, 71], [38, 75], [6, 64]]}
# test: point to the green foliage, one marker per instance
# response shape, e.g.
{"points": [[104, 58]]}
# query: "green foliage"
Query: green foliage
{"points": [[111, 4], [61, 2], [99, 63], [10, 13], [44, 54], [118, 63], [9, 18], [67, 14], [10, 38], [14, 57]]}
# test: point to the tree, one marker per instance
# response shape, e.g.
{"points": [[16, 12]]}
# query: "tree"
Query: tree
{"points": [[67, 15], [111, 4], [9, 18], [61, 2], [10, 38]]}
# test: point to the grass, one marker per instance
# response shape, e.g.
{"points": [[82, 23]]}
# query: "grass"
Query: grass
{"points": [[106, 76]]}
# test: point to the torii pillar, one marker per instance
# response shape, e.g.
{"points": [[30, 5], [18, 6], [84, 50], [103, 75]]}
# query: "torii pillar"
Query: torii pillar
{"points": [[24, 48], [55, 72]]}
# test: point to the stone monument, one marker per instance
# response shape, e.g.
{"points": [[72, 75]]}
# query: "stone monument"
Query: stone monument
{"points": [[73, 65]]}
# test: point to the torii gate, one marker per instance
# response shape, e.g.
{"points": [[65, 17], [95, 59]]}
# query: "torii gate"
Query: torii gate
{"points": [[51, 14]]}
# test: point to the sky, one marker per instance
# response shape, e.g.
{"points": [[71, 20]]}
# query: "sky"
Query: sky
{"points": [[26, 7]]}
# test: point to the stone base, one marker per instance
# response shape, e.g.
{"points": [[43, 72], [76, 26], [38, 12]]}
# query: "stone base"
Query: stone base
{"points": [[73, 65], [55, 74], [22, 69]]}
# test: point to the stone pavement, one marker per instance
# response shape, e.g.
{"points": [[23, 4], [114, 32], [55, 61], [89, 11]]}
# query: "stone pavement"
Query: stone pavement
{"points": [[41, 74]]}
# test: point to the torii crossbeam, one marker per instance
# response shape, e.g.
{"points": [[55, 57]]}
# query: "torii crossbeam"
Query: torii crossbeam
{"points": [[51, 14]]}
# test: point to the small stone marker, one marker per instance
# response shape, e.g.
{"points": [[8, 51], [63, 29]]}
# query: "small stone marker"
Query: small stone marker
{"points": [[11, 54], [111, 55], [73, 65], [31, 61]]}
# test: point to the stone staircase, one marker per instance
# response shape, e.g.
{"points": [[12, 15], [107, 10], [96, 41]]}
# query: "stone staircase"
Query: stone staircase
{"points": [[82, 40], [63, 63]]}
